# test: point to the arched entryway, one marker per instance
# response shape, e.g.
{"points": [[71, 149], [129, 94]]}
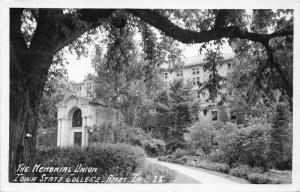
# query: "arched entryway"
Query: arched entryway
{"points": [[75, 116]]}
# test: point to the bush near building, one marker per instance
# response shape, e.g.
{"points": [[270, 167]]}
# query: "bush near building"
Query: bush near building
{"points": [[120, 160]]}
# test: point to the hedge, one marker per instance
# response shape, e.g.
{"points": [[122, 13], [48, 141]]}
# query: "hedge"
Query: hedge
{"points": [[240, 171], [120, 160], [155, 173]]}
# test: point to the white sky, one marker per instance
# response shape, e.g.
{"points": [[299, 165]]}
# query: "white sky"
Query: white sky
{"points": [[77, 69]]}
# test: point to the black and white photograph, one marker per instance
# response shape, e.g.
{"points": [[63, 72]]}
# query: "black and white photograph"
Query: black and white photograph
{"points": [[104, 95]]}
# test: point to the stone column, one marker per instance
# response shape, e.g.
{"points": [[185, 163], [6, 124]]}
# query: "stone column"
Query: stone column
{"points": [[86, 132], [83, 131], [63, 132], [59, 132]]}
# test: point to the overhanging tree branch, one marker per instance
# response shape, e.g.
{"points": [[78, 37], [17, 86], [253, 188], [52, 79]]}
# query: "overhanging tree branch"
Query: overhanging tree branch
{"points": [[288, 85], [187, 36]]}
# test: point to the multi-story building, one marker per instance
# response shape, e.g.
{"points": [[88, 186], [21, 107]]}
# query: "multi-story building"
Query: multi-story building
{"points": [[86, 88], [193, 72]]}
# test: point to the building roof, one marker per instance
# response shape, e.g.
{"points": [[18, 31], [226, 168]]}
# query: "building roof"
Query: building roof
{"points": [[92, 101], [194, 61]]}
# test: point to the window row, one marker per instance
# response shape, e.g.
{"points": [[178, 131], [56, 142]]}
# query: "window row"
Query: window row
{"points": [[215, 117], [196, 71], [196, 80]]}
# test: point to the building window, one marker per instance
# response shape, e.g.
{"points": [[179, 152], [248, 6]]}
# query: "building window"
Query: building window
{"points": [[197, 95], [204, 112], [198, 80], [179, 73], [214, 115], [194, 81], [230, 93], [89, 86], [197, 117], [77, 119], [166, 75], [229, 65], [79, 88], [233, 116], [196, 71]]}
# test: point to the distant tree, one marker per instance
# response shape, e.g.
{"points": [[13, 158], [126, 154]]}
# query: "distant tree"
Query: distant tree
{"points": [[175, 113], [123, 78], [55, 89], [281, 138]]}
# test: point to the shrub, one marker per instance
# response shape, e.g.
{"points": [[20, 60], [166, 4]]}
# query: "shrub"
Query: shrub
{"points": [[240, 171], [183, 160], [158, 173], [200, 135], [162, 158], [217, 156], [258, 178], [179, 153], [276, 176], [120, 160], [46, 137], [248, 146], [205, 164], [155, 147], [214, 166]]}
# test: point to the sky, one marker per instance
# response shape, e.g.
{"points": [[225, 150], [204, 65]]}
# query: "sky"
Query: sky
{"points": [[78, 68]]}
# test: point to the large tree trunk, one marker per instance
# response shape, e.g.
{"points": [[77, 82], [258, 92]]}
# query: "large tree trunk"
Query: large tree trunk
{"points": [[26, 89], [28, 72]]}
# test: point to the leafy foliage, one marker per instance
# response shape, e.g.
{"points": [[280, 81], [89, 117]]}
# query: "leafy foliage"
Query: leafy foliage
{"points": [[281, 138], [201, 135], [122, 76], [121, 160], [240, 171], [174, 113], [160, 173], [248, 146], [155, 147]]}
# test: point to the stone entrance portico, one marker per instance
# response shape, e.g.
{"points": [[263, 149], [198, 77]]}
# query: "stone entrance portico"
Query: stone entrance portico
{"points": [[75, 114]]}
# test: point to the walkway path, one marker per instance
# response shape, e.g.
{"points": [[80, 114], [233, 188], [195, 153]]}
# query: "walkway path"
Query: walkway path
{"points": [[193, 175]]}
